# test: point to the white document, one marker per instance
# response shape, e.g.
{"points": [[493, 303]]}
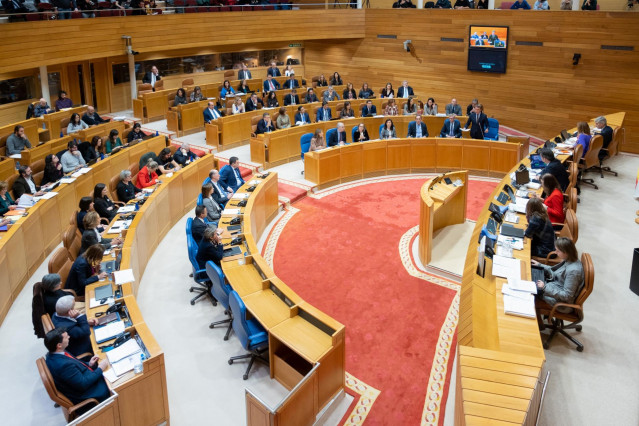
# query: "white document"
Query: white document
{"points": [[564, 145], [76, 174], [520, 285], [118, 226], [515, 243], [505, 289], [126, 209], [93, 303], [123, 277], [533, 185], [129, 348], [26, 201], [148, 190], [124, 365], [506, 267], [230, 212], [520, 205], [16, 156], [108, 331], [67, 179], [511, 217], [168, 175], [110, 375], [49, 195], [523, 307], [240, 196], [255, 182], [84, 170]]}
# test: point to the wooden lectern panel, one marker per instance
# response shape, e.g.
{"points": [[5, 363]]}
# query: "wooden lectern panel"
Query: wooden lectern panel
{"points": [[329, 166], [476, 155], [375, 157], [424, 154], [449, 154], [352, 161], [398, 155]]}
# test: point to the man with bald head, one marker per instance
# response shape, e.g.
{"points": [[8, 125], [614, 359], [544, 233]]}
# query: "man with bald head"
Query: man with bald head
{"points": [[338, 137], [453, 108], [92, 118], [42, 108]]}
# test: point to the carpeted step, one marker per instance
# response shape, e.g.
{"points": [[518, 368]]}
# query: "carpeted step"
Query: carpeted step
{"points": [[290, 193]]}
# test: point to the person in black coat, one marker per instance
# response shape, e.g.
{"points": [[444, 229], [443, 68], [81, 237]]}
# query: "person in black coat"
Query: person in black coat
{"points": [[76, 324], [102, 203], [184, 155], [126, 190], [51, 291], [265, 125], [210, 248], [338, 137], [152, 76], [555, 168], [92, 118], [479, 123], [25, 184], [361, 134], [86, 270], [199, 224], [52, 169], [136, 133]]}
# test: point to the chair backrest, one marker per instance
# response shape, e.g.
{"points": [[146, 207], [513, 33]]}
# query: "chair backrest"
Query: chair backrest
{"points": [[219, 288], [592, 156], [329, 133], [84, 149], [577, 153], [72, 241], [493, 129], [37, 166], [589, 279], [134, 169], [47, 324], [61, 153], [49, 385], [254, 122], [305, 143], [240, 325], [200, 200], [572, 224], [353, 132], [145, 87], [613, 146], [144, 159], [229, 73], [189, 226], [573, 174], [381, 127], [187, 82], [60, 263], [192, 250], [113, 187]]}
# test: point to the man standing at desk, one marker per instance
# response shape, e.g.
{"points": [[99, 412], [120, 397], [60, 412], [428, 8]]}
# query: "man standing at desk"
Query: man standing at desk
{"points": [[230, 175]]}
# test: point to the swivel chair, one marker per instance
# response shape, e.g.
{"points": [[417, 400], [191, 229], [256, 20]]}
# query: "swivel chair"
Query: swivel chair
{"points": [[329, 133], [611, 151], [381, 127], [220, 290], [305, 143], [590, 161], [492, 134], [353, 133], [203, 287]]}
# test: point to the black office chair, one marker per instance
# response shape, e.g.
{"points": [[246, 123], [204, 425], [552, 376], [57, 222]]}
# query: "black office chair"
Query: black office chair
{"points": [[84, 150], [61, 153]]}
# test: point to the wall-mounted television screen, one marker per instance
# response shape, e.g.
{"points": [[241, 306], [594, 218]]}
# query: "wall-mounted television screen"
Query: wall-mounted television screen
{"points": [[487, 48]]}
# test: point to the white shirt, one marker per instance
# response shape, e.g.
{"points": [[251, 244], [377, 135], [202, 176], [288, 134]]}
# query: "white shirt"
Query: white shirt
{"points": [[418, 130], [152, 79], [214, 113], [31, 184], [237, 179]]}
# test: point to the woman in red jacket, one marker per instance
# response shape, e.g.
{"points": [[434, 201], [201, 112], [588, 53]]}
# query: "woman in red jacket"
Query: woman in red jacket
{"points": [[554, 200], [147, 175]]}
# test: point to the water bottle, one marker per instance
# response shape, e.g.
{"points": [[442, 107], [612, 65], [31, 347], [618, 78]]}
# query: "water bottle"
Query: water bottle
{"points": [[101, 156], [139, 364], [157, 133], [137, 206], [17, 165], [61, 134], [44, 125]]}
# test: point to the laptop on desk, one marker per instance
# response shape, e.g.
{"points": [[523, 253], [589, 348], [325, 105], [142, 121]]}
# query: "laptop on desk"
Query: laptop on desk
{"points": [[522, 177]]}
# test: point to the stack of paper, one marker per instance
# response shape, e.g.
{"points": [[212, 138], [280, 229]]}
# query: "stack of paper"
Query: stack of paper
{"points": [[506, 267], [126, 209], [26, 201], [520, 204], [511, 217], [76, 174], [108, 331], [125, 350], [240, 196], [93, 303], [230, 212], [522, 305], [67, 179], [84, 170], [123, 277], [515, 243], [118, 226], [517, 284], [255, 182]]}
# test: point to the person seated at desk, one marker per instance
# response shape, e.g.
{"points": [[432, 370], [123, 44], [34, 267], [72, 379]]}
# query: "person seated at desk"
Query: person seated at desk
{"points": [[539, 229], [541, 5], [72, 159], [391, 108], [273, 71], [410, 107], [291, 98], [271, 85], [17, 141], [85, 205], [417, 128], [388, 131], [25, 184], [265, 125], [302, 117], [92, 118], [63, 101], [451, 128], [330, 95], [338, 137], [453, 107], [230, 176], [404, 4], [76, 380], [583, 136], [94, 151], [196, 95], [76, 124], [52, 170], [180, 97], [76, 324], [243, 87], [244, 73], [321, 81], [366, 92], [113, 141], [347, 111], [136, 134], [271, 100], [86, 270], [288, 70], [42, 108], [443, 4], [151, 77], [210, 248], [405, 91], [387, 91], [6, 202], [361, 134], [211, 113], [199, 225], [125, 189], [213, 209], [554, 200], [336, 80], [148, 175], [291, 83], [482, 4], [606, 132], [92, 236], [183, 156], [253, 103], [554, 167], [430, 107], [221, 194], [226, 89], [283, 120], [589, 5], [563, 281], [102, 203], [520, 4], [238, 106], [471, 107], [369, 110], [479, 123], [52, 290], [317, 141], [311, 96], [462, 4], [349, 92], [323, 113]]}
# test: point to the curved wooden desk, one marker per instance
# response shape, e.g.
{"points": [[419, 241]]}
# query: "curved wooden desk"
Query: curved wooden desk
{"points": [[441, 205]]}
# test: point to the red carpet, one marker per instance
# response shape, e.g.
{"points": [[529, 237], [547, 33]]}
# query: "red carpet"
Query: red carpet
{"points": [[290, 193], [341, 255]]}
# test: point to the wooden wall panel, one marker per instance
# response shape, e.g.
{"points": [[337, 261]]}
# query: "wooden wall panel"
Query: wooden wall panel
{"points": [[541, 93]]}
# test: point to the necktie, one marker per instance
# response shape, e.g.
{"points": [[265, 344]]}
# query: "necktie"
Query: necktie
{"points": [[303, 119], [451, 128], [325, 115], [271, 83], [74, 358], [293, 99]]}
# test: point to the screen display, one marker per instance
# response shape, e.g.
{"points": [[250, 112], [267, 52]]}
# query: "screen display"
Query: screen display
{"points": [[487, 48], [488, 37]]}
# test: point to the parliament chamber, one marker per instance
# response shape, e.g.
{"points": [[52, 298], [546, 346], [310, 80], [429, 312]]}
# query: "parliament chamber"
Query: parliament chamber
{"points": [[501, 367]]}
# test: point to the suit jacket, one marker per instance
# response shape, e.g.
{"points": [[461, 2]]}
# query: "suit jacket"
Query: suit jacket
{"points": [[79, 333], [126, 192], [197, 229], [76, 380], [566, 280], [267, 88], [102, 205], [298, 117], [311, 98], [356, 135], [89, 238], [446, 129], [479, 125], [93, 121], [208, 115], [249, 106], [287, 84], [328, 97], [80, 276], [333, 139], [288, 99], [320, 114], [206, 251], [229, 177], [400, 92], [220, 197], [212, 208], [412, 129], [557, 169], [147, 77], [20, 186], [273, 72], [181, 159], [262, 127], [453, 109], [366, 112], [244, 75]]}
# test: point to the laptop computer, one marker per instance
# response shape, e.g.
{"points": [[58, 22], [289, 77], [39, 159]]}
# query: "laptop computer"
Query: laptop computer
{"points": [[522, 177], [108, 266], [536, 162], [549, 144], [103, 292], [511, 231], [565, 135]]}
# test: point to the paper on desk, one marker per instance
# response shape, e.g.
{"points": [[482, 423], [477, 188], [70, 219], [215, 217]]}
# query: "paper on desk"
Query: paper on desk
{"points": [[49, 195], [76, 174], [110, 375], [84, 170], [127, 349], [126, 209], [506, 267], [118, 226], [123, 277], [520, 204], [108, 331], [515, 243], [525, 286], [564, 145], [168, 175], [523, 307], [255, 182], [67, 179], [505, 289], [124, 365], [26, 201], [148, 190], [533, 185], [93, 303], [240, 196], [511, 217], [16, 156], [230, 212]]}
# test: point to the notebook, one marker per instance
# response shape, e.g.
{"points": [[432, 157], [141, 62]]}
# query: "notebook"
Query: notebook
{"points": [[511, 231]]}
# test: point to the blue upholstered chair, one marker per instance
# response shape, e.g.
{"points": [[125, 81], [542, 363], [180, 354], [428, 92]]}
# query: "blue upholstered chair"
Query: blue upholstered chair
{"points": [[353, 133], [305, 143], [199, 275], [380, 130], [251, 334], [220, 291], [189, 225], [492, 134], [207, 180], [199, 199], [329, 133]]}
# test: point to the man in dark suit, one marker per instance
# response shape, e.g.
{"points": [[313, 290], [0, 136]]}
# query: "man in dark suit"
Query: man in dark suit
{"points": [[554, 167], [199, 225], [291, 98], [369, 109], [25, 184], [211, 113], [76, 380], [152, 76], [338, 137], [76, 324], [291, 83], [253, 103], [311, 96], [230, 175], [472, 106], [92, 118], [265, 125], [273, 71], [270, 84], [451, 128], [405, 91], [302, 117], [479, 123], [323, 113], [221, 195], [244, 73], [601, 126], [417, 128]]}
